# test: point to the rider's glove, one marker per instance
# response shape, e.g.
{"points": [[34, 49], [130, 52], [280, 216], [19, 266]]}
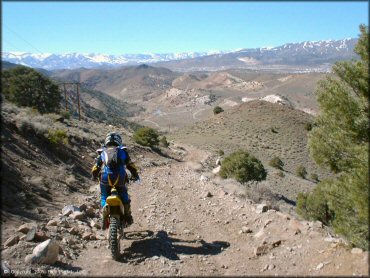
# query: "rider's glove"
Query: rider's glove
{"points": [[95, 172]]}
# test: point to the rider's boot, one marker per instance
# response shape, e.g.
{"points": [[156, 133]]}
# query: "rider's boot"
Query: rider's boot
{"points": [[127, 215]]}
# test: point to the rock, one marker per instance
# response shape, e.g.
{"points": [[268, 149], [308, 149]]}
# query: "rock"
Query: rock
{"points": [[261, 208], [53, 229], [317, 225], [94, 224], [31, 234], [12, 241], [23, 237], [83, 207], [204, 178], [73, 231], [26, 227], [319, 266], [264, 268], [334, 239], [261, 250], [67, 210], [216, 170], [218, 161], [52, 222], [70, 241], [41, 236], [296, 226], [86, 235], [60, 119], [246, 230], [187, 232], [356, 251], [100, 237], [90, 212], [259, 233], [78, 215], [30, 259], [63, 223], [271, 267], [44, 253]]}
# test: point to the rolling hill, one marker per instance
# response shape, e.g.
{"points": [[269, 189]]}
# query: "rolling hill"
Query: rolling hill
{"points": [[265, 129]]}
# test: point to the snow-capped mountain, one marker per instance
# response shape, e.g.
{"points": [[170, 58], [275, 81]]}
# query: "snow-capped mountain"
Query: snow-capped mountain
{"points": [[90, 60], [296, 57], [294, 54]]}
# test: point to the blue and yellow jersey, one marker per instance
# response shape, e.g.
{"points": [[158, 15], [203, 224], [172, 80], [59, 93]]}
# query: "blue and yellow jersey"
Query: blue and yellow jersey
{"points": [[117, 175]]}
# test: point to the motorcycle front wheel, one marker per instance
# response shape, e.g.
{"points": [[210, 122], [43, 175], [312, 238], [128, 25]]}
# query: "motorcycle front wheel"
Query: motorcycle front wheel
{"points": [[114, 241]]}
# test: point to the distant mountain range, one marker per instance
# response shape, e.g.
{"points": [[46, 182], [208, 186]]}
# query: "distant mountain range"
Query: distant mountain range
{"points": [[313, 55], [297, 57], [79, 60]]}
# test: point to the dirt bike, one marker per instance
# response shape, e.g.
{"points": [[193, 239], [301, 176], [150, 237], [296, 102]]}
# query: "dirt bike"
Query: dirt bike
{"points": [[115, 222]]}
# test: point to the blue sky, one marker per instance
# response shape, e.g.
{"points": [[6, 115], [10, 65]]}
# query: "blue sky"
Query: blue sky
{"points": [[161, 27]]}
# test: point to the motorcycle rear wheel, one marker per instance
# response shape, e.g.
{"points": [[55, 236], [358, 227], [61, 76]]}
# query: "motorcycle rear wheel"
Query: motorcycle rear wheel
{"points": [[114, 240]]}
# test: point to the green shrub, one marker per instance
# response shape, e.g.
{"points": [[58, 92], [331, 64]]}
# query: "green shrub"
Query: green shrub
{"points": [[57, 136], [314, 177], [217, 110], [276, 163], [146, 136], [26, 87], [315, 205], [163, 142], [243, 167], [301, 172], [220, 152], [65, 114]]}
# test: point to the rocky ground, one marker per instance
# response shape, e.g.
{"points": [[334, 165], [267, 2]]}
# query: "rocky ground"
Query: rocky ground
{"points": [[184, 225]]}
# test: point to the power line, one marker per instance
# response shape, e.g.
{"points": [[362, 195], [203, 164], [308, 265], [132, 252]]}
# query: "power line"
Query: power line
{"points": [[19, 36], [12, 45]]}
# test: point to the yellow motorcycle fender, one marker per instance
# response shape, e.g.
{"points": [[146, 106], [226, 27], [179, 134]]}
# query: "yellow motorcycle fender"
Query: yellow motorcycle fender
{"points": [[115, 201]]}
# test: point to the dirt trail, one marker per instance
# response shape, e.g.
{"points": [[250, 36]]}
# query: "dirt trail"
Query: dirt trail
{"points": [[184, 226]]}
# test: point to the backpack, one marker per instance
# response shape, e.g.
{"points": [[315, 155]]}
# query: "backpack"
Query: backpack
{"points": [[111, 158]]}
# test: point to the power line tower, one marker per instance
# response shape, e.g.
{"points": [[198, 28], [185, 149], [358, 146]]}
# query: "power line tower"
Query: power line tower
{"points": [[77, 86]]}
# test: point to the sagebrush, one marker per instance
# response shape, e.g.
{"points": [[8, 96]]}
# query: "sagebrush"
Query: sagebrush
{"points": [[243, 167]]}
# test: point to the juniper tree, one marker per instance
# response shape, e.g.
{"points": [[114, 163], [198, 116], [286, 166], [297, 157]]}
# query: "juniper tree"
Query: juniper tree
{"points": [[339, 140], [26, 87]]}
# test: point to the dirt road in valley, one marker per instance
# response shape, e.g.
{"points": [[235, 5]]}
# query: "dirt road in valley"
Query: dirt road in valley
{"points": [[185, 226]]}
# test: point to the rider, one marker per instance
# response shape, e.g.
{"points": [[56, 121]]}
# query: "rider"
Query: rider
{"points": [[113, 158]]}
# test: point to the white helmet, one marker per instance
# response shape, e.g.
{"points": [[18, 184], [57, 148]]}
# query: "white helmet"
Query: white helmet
{"points": [[113, 138]]}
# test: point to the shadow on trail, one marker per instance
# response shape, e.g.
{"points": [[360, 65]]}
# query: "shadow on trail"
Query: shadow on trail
{"points": [[67, 267], [161, 244], [288, 201]]}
